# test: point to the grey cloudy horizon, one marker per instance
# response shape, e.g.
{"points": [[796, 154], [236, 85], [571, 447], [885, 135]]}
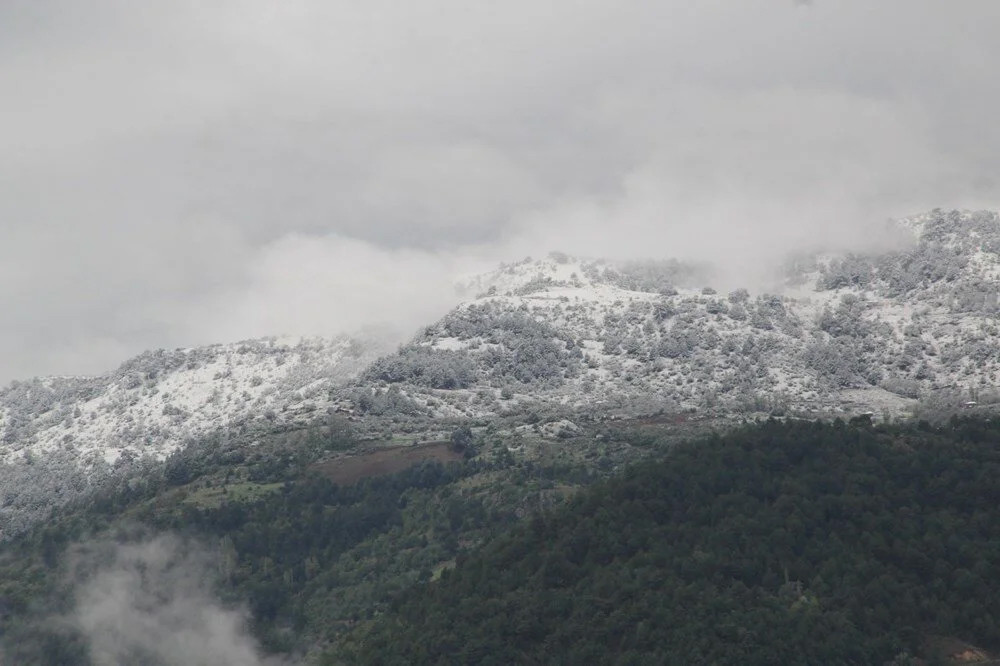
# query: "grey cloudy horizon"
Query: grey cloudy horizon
{"points": [[180, 173]]}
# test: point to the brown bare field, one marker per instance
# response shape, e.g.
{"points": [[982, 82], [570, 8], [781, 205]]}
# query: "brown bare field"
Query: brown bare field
{"points": [[348, 470], [661, 419]]}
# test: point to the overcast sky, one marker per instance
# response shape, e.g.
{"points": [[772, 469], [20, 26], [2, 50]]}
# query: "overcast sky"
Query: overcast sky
{"points": [[180, 172]]}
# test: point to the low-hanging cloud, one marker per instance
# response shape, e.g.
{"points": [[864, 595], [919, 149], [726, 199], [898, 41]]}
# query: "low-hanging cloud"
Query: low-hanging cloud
{"points": [[175, 173], [149, 602], [323, 285]]}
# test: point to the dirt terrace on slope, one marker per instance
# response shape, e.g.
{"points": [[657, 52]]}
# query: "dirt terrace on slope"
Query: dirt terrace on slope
{"points": [[350, 469]]}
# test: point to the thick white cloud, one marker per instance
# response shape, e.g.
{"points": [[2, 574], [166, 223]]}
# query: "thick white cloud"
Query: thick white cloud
{"points": [[178, 172], [326, 285]]}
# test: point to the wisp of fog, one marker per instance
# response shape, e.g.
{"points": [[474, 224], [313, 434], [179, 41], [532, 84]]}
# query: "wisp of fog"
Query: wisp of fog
{"points": [[150, 602]]}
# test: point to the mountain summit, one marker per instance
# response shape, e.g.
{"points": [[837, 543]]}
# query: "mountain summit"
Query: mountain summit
{"points": [[856, 332]]}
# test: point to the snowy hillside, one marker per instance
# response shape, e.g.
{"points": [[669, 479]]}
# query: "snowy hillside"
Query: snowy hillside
{"points": [[62, 437], [847, 334], [155, 402]]}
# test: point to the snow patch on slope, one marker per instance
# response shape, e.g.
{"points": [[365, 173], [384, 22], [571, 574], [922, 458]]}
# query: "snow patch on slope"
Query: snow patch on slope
{"points": [[153, 404]]}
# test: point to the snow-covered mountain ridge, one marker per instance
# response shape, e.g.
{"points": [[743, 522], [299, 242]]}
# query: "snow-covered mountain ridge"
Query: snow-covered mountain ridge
{"points": [[878, 329], [158, 400], [846, 333]]}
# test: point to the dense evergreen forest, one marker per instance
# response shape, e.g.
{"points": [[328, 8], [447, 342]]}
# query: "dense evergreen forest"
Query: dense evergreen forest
{"points": [[783, 542], [789, 543]]}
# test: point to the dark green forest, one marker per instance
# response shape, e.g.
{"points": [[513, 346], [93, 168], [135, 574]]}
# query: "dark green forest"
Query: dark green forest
{"points": [[779, 543], [789, 543]]}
